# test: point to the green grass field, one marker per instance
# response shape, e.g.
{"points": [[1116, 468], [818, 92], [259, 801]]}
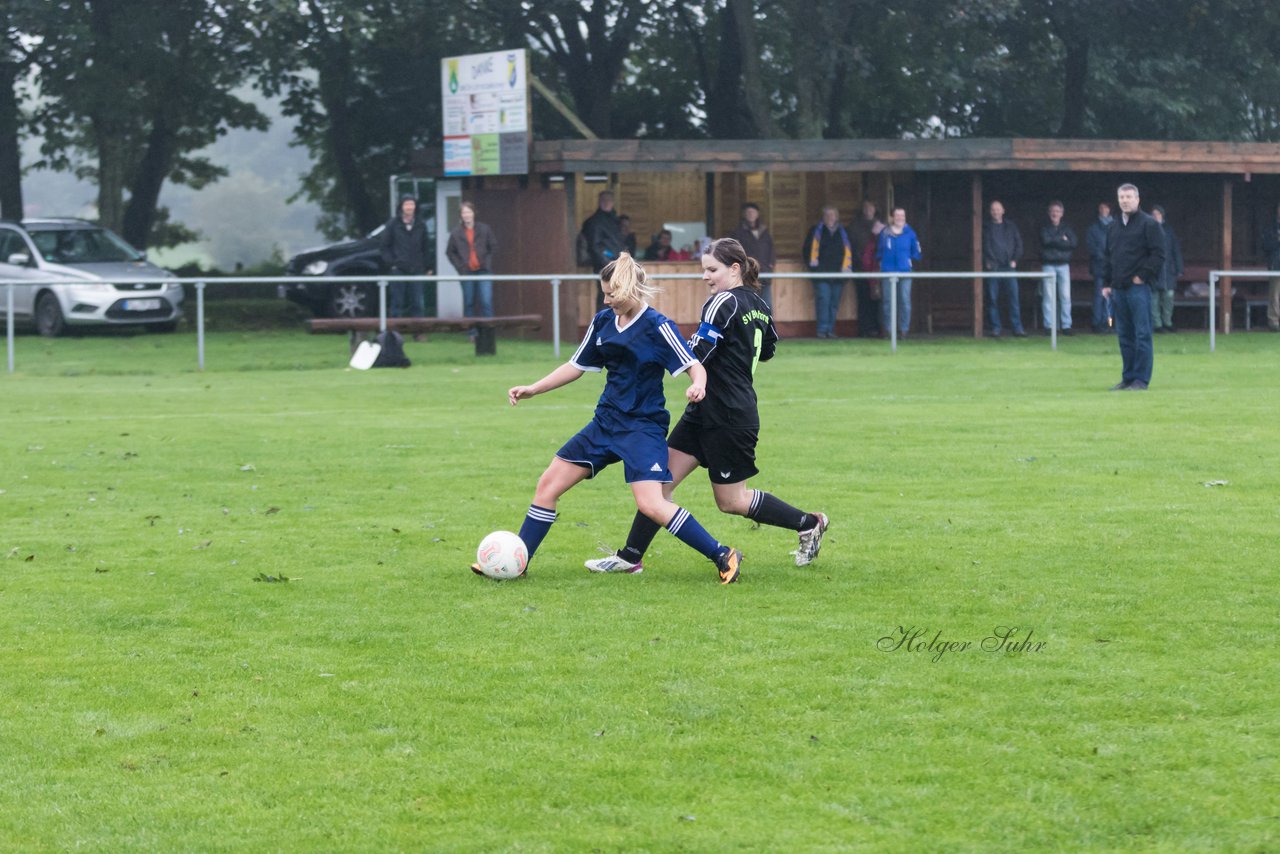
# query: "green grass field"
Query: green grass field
{"points": [[164, 687]]}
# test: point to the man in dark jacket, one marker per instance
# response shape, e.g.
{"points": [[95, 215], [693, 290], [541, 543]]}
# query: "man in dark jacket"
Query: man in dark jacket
{"points": [[1135, 260], [1162, 291], [1271, 246], [405, 251], [604, 238], [1001, 250], [1057, 242], [827, 249], [1097, 240]]}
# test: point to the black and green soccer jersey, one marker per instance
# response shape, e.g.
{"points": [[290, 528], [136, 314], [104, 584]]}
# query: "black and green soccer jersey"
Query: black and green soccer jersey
{"points": [[736, 334]]}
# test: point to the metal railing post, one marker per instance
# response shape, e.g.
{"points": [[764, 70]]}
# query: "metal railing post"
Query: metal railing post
{"points": [[200, 324], [555, 315], [1213, 314], [893, 314], [382, 305], [8, 323]]}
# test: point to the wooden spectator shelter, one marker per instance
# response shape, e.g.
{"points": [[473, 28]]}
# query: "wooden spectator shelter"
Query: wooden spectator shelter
{"points": [[1218, 196]]}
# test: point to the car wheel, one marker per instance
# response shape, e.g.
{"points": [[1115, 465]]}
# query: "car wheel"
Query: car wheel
{"points": [[49, 320], [353, 299]]}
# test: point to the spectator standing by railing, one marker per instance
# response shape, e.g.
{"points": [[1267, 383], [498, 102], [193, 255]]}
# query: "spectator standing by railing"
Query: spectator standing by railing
{"points": [[828, 249], [1057, 242], [1271, 246], [1162, 290], [1135, 259], [604, 237], [1001, 251], [758, 243], [1096, 238], [470, 251], [628, 236], [866, 243], [405, 252], [898, 248]]}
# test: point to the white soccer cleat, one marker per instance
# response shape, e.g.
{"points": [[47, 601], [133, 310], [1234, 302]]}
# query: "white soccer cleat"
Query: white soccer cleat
{"points": [[811, 541], [613, 563]]}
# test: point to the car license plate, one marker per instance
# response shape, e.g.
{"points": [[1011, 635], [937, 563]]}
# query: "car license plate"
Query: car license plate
{"points": [[142, 304]]}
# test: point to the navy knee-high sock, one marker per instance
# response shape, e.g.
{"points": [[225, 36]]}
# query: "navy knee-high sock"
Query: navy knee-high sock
{"points": [[693, 535], [537, 522]]}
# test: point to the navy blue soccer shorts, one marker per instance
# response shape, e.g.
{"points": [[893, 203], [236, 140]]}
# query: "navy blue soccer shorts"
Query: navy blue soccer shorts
{"points": [[643, 451]]}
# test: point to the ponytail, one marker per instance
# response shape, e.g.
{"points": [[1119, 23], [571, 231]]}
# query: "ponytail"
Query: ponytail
{"points": [[628, 279]]}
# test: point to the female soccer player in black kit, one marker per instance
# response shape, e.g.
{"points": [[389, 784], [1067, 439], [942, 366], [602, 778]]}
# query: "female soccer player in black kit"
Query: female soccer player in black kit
{"points": [[720, 432]]}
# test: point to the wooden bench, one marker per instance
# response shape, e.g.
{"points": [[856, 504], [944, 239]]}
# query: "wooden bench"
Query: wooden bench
{"points": [[486, 340]]}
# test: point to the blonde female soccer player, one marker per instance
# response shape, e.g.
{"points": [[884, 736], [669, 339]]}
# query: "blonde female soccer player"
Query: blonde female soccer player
{"points": [[721, 431], [635, 346]]}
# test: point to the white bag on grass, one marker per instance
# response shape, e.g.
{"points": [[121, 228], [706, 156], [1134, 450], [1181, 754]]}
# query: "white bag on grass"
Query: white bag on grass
{"points": [[365, 355]]}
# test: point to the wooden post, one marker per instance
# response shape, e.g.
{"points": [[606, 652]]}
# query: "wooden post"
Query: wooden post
{"points": [[975, 215], [1224, 304]]}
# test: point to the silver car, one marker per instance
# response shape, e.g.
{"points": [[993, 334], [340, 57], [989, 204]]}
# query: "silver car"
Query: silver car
{"points": [[86, 261]]}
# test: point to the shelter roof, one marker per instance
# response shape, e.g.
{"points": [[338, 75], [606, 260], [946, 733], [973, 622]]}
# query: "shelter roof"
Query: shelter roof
{"points": [[897, 155]]}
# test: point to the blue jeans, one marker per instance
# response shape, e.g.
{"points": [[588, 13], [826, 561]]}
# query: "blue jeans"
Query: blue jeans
{"points": [[1009, 287], [826, 302], [1062, 280], [904, 304], [406, 299], [1133, 327], [477, 298], [1101, 307]]}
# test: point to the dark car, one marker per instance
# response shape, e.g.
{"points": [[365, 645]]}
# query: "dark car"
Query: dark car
{"points": [[359, 257]]}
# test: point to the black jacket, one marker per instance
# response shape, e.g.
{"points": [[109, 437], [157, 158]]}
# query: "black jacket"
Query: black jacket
{"points": [[1271, 245], [1001, 245], [831, 249], [1172, 260], [1057, 242], [1135, 248], [405, 250], [604, 237]]}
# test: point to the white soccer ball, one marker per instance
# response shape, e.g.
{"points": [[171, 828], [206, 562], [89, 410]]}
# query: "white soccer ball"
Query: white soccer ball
{"points": [[502, 555]]}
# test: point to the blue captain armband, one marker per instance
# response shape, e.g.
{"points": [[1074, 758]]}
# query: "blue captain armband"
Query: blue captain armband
{"points": [[708, 332]]}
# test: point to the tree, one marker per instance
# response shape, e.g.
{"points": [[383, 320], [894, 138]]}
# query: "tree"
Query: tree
{"points": [[143, 85], [17, 22], [362, 77]]}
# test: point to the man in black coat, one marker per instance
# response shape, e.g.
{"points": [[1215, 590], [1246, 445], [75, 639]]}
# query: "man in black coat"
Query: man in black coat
{"points": [[405, 251], [603, 234], [1001, 251], [1135, 261]]}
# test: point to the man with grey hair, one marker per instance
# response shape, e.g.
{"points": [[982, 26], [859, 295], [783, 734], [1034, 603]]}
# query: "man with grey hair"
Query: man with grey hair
{"points": [[1134, 262]]}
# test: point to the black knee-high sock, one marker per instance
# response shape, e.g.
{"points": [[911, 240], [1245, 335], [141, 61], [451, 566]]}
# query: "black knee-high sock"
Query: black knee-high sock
{"points": [[643, 530], [770, 510]]}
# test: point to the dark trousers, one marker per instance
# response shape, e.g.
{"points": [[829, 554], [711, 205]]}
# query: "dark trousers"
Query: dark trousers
{"points": [[1132, 306], [1009, 287], [868, 311]]}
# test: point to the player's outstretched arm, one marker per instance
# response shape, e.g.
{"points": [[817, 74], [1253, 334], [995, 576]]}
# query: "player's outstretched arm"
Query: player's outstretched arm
{"points": [[697, 389], [562, 375]]}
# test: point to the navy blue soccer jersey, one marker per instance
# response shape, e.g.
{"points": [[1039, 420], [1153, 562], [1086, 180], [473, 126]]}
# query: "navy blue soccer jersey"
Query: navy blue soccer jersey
{"points": [[736, 332], [635, 359]]}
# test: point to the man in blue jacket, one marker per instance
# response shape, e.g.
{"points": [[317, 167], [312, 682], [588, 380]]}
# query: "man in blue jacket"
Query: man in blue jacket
{"points": [[1135, 261]]}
